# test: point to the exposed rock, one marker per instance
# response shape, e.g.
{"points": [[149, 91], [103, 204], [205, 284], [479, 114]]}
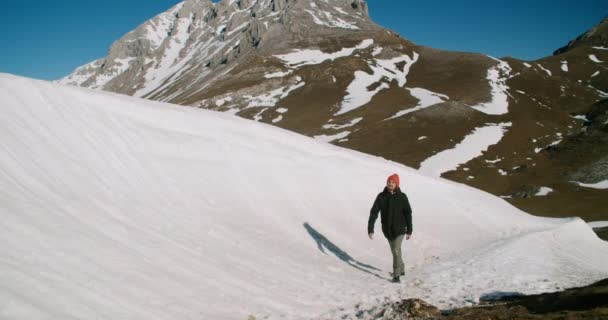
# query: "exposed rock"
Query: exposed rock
{"points": [[526, 191], [590, 302]]}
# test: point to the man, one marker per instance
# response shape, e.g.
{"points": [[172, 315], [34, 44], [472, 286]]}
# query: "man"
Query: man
{"points": [[396, 220]]}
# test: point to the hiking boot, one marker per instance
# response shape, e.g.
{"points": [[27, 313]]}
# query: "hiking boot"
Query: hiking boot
{"points": [[396, 280]]}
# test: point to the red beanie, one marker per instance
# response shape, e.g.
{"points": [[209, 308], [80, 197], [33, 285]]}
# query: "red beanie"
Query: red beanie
{"points": [[394, 177]]}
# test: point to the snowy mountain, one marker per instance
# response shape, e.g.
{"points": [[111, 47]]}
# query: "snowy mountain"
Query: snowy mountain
{"points": [[322, 68], [198, 41], [121, 208]]}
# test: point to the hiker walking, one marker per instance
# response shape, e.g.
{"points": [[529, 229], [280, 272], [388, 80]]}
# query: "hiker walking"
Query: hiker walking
{"points": [[396, 220]]}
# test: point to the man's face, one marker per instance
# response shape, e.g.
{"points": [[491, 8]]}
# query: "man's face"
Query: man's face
{"points": [[391, 185]]}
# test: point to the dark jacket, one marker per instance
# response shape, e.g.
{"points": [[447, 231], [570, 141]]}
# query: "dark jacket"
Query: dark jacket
{"points": [[395, 214]]}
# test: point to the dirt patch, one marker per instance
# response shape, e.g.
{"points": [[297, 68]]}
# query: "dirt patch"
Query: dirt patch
{"points": [[590, 302]]}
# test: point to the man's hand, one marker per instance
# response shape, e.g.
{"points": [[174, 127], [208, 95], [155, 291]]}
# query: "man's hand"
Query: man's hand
{"points": [[371, 236], [408, 236]]}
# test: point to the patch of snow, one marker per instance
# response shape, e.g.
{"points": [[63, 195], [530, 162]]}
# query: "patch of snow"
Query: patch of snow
{"points": [[270, 99], [565, 66], [497, 77], [543, 191], [316, 19], [593, 58], [522, 92], [377, 51], [390, 65], [333, 137], [493, 161], [118, 67], [220, 102], [331, 21], [426, 98], [278, 74], [468, 149], [595, 73], [581, 117], [502, 172], [527, 65], [341, 11], [303, 57], [168, 64], [277, 119], [555, 142], [156, 29], [422, 137], [537, 150], [281, 110], [545, 70], [220, 29], [597, 185], [237, 29], [357, 92], [338, 127], [258, 116], [598, 224], [82, 73], [339, 22], [600, 48], [600, 92]]}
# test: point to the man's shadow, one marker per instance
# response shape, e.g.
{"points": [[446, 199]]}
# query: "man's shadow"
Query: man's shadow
{"points": [[324, 243]]}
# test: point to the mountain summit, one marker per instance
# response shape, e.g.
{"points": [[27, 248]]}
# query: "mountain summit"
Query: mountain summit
{"points": [[532, 132], [596, 36], [195, 41]]}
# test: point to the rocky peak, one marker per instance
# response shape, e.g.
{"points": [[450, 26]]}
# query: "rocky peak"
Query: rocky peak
{"points": [[198, 36], [595, 37]]}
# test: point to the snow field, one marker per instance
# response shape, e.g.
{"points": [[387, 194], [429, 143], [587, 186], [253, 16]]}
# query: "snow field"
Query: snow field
{"points": [[121, 208], [302, 57], [469, 148], [497, 77], [426, 98]]}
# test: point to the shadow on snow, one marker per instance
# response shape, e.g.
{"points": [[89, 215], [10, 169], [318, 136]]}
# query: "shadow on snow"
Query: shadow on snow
{"points": [[324, 243]]}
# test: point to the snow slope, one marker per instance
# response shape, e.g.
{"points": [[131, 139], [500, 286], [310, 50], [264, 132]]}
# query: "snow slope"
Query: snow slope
{"points": [[114, 207]]}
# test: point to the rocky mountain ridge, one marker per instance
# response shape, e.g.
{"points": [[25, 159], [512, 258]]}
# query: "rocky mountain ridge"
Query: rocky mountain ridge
{"points": [[529, 131]]}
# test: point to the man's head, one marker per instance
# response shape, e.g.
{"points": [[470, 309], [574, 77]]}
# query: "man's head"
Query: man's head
{"points": [[392, 182]]}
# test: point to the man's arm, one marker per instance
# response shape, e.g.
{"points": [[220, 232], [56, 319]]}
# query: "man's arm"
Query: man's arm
{"points": [[373, 215], [408, 216]]}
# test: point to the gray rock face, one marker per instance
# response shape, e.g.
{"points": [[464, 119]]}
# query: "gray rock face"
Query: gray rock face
{"points": [[197, 40], [592, 173]]}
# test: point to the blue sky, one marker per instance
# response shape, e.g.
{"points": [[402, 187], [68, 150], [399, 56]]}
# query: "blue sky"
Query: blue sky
{"points": [[46, 39]]}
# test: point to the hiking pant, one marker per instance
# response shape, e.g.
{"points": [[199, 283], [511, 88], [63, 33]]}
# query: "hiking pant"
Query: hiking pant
{"points": [[397, 259]]}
